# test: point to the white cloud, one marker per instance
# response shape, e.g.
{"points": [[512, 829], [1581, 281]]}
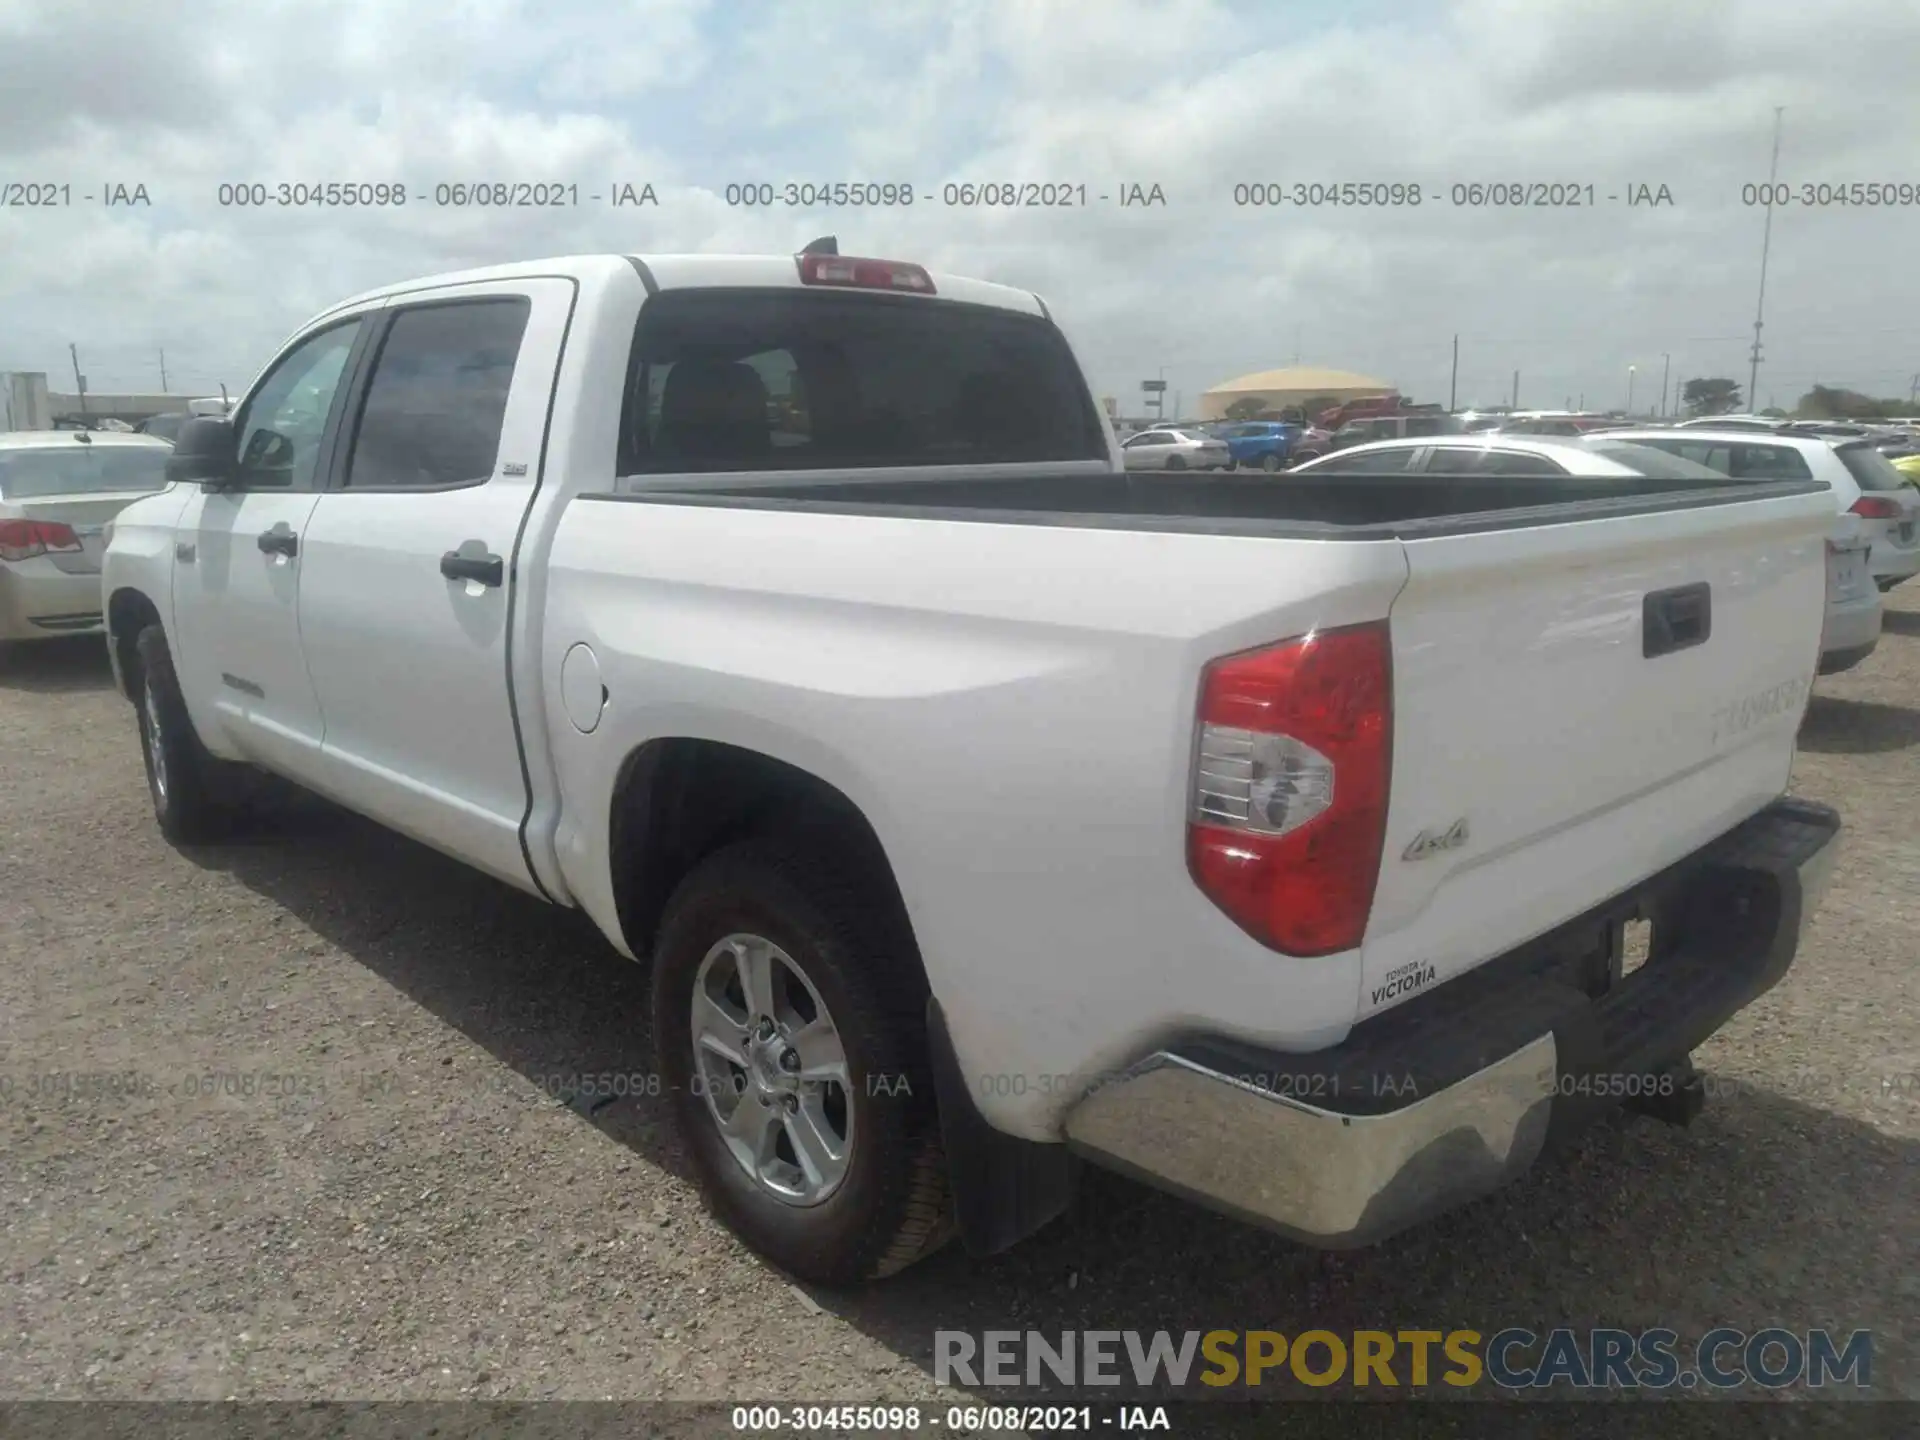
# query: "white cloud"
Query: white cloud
{"points": [[1194, 95]]}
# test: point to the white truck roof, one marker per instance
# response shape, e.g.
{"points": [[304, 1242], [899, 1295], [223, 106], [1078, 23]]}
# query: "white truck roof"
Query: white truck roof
{"points": [[690, 272]]}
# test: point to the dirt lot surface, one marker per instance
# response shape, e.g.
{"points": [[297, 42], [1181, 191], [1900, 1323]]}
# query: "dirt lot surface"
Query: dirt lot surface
{"points": [[396, 1210]]}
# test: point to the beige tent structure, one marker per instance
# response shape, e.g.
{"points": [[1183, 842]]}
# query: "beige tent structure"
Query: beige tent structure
{"points": [[1277, 389]]}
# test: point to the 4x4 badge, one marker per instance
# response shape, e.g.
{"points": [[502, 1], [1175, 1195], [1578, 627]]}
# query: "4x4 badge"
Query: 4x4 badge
{"points": [[1427, 843]]}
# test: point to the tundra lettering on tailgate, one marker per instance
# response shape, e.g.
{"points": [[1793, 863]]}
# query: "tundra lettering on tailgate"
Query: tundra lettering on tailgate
{"points": [[1403, 979], [1749, 710]]}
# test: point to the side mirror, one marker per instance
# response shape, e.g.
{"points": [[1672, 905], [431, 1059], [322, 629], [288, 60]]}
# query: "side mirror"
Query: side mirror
{"points": [[203, 453]]}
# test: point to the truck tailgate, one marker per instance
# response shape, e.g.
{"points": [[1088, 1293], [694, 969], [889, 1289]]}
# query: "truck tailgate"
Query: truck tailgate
{"points": [[1574, 711]]}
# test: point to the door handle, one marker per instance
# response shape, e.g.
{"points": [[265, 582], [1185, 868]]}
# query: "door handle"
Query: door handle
{"points": [[280, 540], [465, 564], [1676, 619], [183, 552]]}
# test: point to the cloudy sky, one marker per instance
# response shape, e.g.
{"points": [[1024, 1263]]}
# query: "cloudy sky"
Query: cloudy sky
{"points": [[1196, 96]]}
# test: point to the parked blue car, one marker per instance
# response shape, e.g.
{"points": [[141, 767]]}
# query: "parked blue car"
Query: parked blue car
{"points": [[1259, 444]]}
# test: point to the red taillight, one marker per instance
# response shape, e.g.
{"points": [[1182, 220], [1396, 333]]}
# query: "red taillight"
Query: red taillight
{"points": [[863, 274], [1876, 507], [1289, 804], [24, 539]]}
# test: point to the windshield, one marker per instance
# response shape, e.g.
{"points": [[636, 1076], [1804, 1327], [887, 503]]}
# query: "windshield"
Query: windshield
{"points": [[1646, 460], [1872, 469], [81, 469]]}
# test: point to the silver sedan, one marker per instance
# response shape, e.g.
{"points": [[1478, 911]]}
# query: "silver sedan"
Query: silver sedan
{"points": [[58, 489], [1169, 449]]}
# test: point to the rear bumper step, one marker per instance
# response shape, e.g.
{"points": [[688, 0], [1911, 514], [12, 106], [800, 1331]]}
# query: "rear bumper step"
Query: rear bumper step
{"points": [[1451, 1095]]}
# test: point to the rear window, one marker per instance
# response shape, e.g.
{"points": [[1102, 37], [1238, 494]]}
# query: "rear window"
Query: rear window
{"points": [[808, 380], [1870, 468], [81, 469]]}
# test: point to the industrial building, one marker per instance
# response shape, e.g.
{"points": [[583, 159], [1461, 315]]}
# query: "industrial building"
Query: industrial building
{"points": [[27, 404]]}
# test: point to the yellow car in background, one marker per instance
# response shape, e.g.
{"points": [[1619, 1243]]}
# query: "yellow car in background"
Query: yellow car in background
{"points": [[1908, 465]]}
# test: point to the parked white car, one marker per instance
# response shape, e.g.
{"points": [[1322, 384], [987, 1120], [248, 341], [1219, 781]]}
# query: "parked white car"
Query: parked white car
{"points": [[58, 490], [1169, 449], [1878, 507], [1854, 609], [981, 809]]}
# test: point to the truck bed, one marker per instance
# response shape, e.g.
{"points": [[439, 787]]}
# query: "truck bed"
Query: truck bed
{"points": [[1351, 506]]}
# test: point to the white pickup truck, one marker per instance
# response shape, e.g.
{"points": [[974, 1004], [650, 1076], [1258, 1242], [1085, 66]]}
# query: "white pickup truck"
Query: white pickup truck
{"points": [[983, 809]]}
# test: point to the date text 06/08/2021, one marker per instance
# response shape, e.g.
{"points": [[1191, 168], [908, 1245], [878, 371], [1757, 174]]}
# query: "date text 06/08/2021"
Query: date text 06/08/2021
{"points": [[444, 194]]}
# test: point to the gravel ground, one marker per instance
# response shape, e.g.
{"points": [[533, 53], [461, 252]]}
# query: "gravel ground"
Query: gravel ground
{"points": [[409, 1216]]}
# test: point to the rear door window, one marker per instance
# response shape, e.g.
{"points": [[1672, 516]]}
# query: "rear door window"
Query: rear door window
{"points": [[1740, 460], [1657, 461], [1477, 460], [1769, 462], [809, 380], [1367, 462]]}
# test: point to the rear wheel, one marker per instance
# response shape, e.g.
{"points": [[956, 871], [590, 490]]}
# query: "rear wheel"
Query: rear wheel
{"points": [[184, 781], [792, 1041], [1270, 462], [1174, 462]]}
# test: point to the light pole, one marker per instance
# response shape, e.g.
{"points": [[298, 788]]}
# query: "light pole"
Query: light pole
{"points": [[1630, 392], [1666, 372], [1766, 245]]}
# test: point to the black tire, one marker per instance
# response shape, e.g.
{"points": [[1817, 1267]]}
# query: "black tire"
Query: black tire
{"points": [[190, 801], [1885, 584], [892, 1208], [1270, 462], [1174, 462]]}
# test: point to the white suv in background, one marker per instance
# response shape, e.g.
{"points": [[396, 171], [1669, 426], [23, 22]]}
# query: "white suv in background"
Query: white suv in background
{"points": [[1854, 611], [1877, 525]]}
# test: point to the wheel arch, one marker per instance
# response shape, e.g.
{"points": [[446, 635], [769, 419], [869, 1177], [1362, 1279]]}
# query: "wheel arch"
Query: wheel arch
{"points": [[129, 611], [679, 799]]}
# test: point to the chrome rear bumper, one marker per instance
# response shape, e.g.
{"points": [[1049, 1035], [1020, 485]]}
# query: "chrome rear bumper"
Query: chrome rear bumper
{"points": [[1326, 1178], [1449, 1097]]}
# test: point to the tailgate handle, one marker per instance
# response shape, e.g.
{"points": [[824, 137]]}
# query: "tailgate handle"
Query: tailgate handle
{"points": [[1676, 619]]}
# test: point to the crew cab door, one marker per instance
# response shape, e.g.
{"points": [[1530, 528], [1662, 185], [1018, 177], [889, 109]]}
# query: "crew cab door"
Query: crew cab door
{"points": [[407, 592], [238, 556]]}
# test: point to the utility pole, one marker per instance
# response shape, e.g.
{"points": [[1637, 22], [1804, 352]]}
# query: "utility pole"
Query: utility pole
{"points": [[1913, 391], [1629, 410], [79, 380], [163, 370], [1766, 245], [1514, 403], [1453, 385], [1666, 368]]}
